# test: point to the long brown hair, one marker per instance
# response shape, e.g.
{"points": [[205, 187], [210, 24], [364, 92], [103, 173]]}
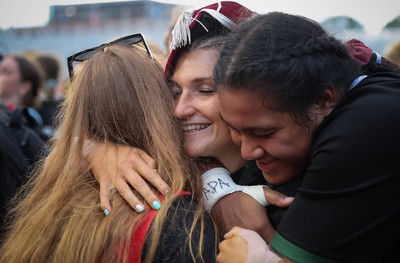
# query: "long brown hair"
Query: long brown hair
{"points": [[118, 95]]}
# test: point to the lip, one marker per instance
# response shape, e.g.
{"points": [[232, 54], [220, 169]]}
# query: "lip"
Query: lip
{"points": [[195, 128], [266, 167]]}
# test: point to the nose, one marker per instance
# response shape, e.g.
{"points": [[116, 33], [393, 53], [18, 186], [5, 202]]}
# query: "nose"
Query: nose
{"points": [[250, 149], [184, 106]]}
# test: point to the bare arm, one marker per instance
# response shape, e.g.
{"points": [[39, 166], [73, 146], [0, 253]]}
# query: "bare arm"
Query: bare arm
{"points": [[240, 209]]}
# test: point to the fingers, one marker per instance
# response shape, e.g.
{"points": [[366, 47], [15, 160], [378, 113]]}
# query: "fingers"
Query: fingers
{"points": [[233, 250], [124, 190], [138, 173], [276, 198], [233, 232], [105, 196], [146, 167], [126, 193], [122, 166], [147, 158], [249, 245], [141, 186]]}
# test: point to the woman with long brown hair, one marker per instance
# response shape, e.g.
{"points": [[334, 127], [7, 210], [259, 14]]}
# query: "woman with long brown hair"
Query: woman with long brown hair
{"points": [[118, 94]]}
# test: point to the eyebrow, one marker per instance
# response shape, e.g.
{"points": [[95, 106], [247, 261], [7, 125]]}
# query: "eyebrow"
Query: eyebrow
{"points": [[201, 79], [197, 80], [253, 128]]}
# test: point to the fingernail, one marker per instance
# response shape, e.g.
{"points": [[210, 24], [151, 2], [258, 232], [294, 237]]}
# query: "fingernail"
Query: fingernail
{"points": [[106, 212], [156, 205], [166, 192], [139, 208]]}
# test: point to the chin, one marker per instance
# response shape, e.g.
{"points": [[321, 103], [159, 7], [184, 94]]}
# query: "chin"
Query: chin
{"points": [[193, 152], [197, 150], [276, 179]]}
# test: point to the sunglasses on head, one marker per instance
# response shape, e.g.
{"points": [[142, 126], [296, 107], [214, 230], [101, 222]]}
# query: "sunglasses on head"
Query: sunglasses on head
{"points": [[88, 53]]}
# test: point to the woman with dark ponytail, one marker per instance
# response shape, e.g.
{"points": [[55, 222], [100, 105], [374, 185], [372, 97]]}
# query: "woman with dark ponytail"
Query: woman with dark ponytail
{"points": [[299, 103]]}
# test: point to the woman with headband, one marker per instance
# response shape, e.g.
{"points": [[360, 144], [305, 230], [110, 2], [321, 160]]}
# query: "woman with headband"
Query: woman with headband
{"points": [[195, 45]]}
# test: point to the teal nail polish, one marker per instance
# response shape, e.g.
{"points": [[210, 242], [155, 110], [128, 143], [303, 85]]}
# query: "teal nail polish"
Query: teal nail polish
{"points": [[139, 208], [156, 205], [106, 212]]}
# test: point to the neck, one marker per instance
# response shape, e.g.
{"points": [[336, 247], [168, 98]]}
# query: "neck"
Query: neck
{"points": [[14, 100], [232, 159]]}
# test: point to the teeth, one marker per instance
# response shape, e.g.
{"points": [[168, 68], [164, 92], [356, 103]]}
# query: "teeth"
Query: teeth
{"points": [[195, 127]]}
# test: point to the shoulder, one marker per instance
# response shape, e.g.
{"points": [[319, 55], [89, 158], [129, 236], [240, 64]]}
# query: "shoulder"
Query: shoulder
{"points": [[380, 86], [382, 77], [5, 114], [183, 212], [371, 107], [359, 140], [184, 231]]}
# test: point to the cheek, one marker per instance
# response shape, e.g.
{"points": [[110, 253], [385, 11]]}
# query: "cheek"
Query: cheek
{"points": [[210, 109], [297, 148], [236, 138], [289, 148], [221, 129], [9, 83]]}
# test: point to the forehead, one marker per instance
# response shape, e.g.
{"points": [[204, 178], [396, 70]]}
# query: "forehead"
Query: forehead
{"points": [[246, 110], [195, 63], [242, 108], [10, 65], [241, 100], [9, 62]]}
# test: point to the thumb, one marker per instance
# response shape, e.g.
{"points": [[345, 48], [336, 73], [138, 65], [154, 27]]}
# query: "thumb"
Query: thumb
{"points": [[277, 198], [233, 232]]}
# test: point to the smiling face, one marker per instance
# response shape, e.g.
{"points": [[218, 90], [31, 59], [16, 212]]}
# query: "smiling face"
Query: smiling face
{"points": [[197, 106], [279, 145]]}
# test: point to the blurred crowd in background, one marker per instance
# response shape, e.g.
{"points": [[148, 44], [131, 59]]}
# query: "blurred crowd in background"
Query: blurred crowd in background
{"points": [[71, 28]]}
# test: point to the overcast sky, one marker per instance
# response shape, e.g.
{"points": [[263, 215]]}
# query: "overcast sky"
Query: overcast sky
{"points": [[373, 15]]}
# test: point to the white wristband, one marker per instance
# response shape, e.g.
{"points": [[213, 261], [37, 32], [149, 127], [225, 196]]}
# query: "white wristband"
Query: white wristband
{"points": [[255, 191], [218, 183]]}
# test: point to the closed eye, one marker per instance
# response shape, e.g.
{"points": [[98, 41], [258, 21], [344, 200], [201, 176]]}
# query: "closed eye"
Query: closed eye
{"points": [[262, 134], [206, 89], [176, 92]]}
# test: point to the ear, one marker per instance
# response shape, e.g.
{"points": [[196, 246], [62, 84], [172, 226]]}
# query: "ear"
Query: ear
{"points": [[327, 102], [324, 106], [24, 88]]}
